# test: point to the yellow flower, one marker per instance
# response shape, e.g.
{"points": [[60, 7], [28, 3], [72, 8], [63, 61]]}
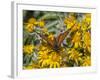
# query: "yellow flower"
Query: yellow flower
{"points": [[70, 21], [86, 61], [85, 25], [76, 27], [43, 58], [74, 55], [32, 21], [28, 49], [41, 24], [30, 27], [54, 60], [77, 40], [87, 40], [43, 55], [48, 58], [88, 18]]}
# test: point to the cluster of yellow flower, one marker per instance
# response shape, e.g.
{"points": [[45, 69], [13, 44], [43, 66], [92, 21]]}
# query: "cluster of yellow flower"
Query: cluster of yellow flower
{"points": [[48, 58], [79, 52], [81, 40], [32, 23]]}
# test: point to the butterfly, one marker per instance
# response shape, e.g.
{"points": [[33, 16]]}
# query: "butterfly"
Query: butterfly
{"points": [[55, 44]]}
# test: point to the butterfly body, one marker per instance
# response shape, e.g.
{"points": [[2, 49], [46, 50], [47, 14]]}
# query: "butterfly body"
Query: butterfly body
{"points": [[56, 47]]}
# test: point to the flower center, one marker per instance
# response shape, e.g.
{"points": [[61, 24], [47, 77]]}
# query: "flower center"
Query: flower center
{"points": [[54, 58]]}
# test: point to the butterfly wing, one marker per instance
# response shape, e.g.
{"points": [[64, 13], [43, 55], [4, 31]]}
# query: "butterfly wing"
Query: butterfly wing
{"points": [[50, 42], [62, 36]]}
